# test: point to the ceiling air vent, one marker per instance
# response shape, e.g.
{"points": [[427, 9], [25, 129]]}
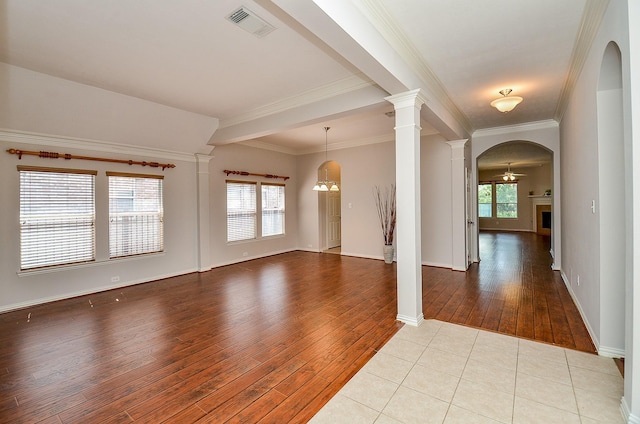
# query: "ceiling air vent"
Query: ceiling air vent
{"points": [[250, 22]]}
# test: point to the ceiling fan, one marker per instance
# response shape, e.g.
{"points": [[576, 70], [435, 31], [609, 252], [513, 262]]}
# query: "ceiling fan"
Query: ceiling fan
{"points": [[508, 175]]}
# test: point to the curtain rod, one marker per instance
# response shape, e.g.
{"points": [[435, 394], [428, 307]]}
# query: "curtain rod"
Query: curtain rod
{"points": [[245, 173], [53, 155]]}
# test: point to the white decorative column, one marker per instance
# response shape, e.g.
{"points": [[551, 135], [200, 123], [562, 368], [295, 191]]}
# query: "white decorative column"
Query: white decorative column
{"points": [[458, 207], [204, 242], [408, 231]]}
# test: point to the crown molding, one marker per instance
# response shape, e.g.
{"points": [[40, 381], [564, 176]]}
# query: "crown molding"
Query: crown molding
{"points": [[268, 146], [320, 149], [508, 129], [393, 33], [13, 136], [367, 141], [592, 16], [336, 88]]}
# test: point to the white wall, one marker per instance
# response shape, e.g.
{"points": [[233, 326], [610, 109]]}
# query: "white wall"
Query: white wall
{"points": [[21, 289], [436, 202], [238, 157], [39, 103], [361, 169], [581, 186]]}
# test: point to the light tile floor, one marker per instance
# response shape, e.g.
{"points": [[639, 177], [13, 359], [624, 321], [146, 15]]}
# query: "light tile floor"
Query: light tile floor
{"points": [[446, 373]]}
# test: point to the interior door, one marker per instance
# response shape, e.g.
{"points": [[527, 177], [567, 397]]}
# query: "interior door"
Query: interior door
{"points": [[334, 230], [469, 214]]}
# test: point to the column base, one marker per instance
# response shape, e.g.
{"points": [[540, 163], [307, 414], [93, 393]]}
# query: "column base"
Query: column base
{"points": [[414, 321]]}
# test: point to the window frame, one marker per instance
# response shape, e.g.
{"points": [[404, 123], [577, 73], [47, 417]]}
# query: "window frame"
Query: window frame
{"points": [[497, 203], [242, 213], [280, 211], [490, 184], [44, 248], [144, 232]]}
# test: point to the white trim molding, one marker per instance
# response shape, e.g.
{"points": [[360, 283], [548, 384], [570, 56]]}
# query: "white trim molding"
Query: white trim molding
{"points": [[13, 136], [415, 322]]}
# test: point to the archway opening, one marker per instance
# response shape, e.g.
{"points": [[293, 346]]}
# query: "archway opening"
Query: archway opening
{"points": [[515, 181], [330, 209]]}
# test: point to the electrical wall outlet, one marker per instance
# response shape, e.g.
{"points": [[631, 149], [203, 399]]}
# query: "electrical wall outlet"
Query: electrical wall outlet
{"points": [[115, 279]]}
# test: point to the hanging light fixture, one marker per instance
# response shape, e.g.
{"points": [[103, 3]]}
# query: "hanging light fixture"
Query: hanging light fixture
{"points": [[326, 185], [508, 175], [506, 103]]}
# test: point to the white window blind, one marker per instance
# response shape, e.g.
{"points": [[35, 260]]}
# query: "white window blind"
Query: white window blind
{"points": [[272, 209], [57, 216], [135, 214], [241, 210]]}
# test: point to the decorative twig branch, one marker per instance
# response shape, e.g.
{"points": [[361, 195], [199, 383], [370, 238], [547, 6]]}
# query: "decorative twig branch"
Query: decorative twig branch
{"points": [[386, 206], [67, 156], [245, 173]]}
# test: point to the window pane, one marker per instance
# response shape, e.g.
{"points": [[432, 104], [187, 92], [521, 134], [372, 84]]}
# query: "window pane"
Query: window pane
{"points": [[507, 210], [241, 211], [507, 193], [135, 216], [57, 218], [484, 200], [484, 210], [507, 200], [272, 210]]}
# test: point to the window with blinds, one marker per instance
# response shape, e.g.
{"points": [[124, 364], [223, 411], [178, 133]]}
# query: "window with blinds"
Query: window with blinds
{"points": [[241, 211], [135, 214], [272, 209], [57, 216]]}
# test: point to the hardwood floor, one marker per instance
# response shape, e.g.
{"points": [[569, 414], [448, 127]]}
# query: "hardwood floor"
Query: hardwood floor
{"points": [[269, 340], [513, 290]]}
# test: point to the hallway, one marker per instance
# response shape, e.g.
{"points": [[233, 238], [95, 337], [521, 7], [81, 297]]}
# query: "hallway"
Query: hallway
{"points": [[513, 291]]}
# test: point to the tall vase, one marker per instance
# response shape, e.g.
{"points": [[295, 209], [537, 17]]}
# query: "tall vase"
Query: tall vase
{"points": [[387, 251]]}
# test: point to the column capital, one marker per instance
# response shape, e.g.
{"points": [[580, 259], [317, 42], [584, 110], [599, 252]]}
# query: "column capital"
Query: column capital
{"points": [[203, 158], [202, 163], [457, 144], [413, 98]]}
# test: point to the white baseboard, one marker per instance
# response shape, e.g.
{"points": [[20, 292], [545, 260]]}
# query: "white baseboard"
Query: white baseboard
{"points": [[250, 258], [587, 324], [413, 321], [611, 352], [119, 285], [358, 255], [437, 264], [627, 416]]}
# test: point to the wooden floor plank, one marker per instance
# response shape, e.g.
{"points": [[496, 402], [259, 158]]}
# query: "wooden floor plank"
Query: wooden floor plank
{"points": [[268, 340]]}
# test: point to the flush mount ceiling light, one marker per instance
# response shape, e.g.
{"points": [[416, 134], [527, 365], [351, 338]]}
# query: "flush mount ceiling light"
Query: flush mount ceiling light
{"points": [[506, 103], [326, 185]]}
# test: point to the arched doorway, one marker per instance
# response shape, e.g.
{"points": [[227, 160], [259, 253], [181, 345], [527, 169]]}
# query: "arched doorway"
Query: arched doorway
{"points": [[330, 209], [515, 181]]}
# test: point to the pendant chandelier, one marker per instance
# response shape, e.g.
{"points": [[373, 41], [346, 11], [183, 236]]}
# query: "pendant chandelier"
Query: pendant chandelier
{"points": [[326, 185]]}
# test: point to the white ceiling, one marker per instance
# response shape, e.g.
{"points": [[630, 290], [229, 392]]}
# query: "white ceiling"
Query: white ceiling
{"points": [[279, 91]]}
